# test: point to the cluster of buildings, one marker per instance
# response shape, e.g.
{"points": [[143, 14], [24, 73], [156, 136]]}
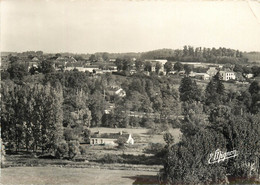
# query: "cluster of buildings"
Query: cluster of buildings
{"points": [[68, 63], [225, 74], [212, 69]]}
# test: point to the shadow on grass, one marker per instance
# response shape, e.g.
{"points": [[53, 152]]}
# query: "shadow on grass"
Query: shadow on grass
{"points": [[144, 179]]}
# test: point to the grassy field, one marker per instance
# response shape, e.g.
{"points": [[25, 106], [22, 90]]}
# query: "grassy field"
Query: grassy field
{"points": [[136, 167], [56, 175]]}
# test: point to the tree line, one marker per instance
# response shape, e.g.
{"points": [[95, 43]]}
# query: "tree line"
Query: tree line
{"points": [[198, 54]]}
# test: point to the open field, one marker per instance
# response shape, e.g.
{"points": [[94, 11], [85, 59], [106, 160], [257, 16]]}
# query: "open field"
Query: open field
{"points": [[56, 175], [136, 167]]}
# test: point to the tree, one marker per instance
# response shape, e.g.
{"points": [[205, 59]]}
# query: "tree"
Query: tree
{"points": [[148, 66], [62, 149], [2, 155], [13, 59], [194, 118], [238, 68], [46, 66], [73, 149], [178, 66], [215, 91], [189, 90], [254, 88], [119, 64], [169, 139], [158, 66], [121, 141], [93, 58], [32, 117], [17, 71], [187, 68], [96, 106], [255, 70], [186, 162], [105, 56], [139, 64], [168, 66]]}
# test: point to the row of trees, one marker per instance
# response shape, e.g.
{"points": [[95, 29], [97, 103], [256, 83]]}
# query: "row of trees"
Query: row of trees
{"points": [[198, 54], [31, 116]]}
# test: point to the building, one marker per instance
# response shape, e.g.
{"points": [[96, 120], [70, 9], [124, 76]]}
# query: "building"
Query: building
{"points": [[116, 90], [35, 59], [227, 75], [202, 76], [110, 139], [250, 75], [91, 68], [212, 71]]}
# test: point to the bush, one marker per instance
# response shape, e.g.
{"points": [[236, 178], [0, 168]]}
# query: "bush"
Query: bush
{"points": [[82, 150], [110, 158], [154, 148], [158, 129], [73, 149], [62, 149], [121, 142]]}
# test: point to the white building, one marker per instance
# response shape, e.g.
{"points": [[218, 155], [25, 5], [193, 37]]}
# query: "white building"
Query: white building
{"points": [[227, 75], [212, 71]]}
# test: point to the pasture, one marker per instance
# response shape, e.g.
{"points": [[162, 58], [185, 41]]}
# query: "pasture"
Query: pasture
{"points": [[57, 175]]}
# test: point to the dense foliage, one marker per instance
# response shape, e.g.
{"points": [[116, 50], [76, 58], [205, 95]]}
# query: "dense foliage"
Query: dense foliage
{"points": [[224, 120]]}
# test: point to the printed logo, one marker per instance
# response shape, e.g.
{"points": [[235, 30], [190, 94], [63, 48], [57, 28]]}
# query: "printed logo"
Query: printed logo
{"points": [[219, 156]]}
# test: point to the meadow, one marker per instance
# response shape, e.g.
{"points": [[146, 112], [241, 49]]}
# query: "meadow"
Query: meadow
{"points": [[58, 175]]}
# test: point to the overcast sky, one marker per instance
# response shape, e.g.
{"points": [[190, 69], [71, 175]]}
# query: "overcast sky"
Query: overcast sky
{"points": [[88, 26]]}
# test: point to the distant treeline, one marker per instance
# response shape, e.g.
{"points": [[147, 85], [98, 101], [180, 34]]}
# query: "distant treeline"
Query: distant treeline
{"points": [[198, 54], [252, 56], [187, 54]]}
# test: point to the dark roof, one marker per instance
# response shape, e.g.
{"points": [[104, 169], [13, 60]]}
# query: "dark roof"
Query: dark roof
{"points": [[109, 135]]}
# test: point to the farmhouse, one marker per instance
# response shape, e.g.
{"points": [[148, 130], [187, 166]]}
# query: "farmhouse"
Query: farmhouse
{"points": [[110, 139], [227, 75]]}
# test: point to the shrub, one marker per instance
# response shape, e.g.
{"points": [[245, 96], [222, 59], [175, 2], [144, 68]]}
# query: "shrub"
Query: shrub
{"points": [[62, 149], [154, 148], [73, 149], [82, 150], [110, 158], [158, 129], [121, 142]]}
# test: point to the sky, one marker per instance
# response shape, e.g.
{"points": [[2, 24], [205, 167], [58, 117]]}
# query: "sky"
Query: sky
{"points": [[88, 26]]}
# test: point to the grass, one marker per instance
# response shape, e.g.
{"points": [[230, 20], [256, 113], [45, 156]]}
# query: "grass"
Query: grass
{"points": [[135, 167], [56, 175]]}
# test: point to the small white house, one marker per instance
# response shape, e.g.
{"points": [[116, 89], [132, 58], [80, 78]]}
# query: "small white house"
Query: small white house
{"points": [[250, 75]]}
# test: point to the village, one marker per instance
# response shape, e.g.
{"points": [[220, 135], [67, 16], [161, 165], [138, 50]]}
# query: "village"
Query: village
{"points": [[130, 92]]}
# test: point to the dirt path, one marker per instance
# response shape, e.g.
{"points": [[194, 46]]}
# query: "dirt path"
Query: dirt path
{"points": [[56, 175]]}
